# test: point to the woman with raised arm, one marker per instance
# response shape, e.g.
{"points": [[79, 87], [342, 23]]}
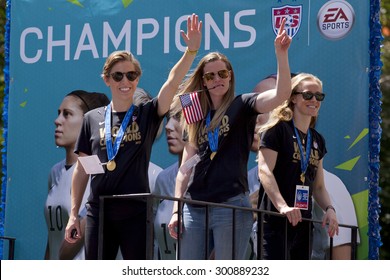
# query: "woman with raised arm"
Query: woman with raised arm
{"points": [[219, 146], [122, 136]]}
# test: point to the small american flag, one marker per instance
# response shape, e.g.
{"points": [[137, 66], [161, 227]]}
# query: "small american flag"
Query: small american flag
{"points": [[191, 107]]}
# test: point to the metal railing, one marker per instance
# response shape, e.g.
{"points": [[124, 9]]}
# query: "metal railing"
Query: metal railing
{"points": [[150, 201], [11, 246]]}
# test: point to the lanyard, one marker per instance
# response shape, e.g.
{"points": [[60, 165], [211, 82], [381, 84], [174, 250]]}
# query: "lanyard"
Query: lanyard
{"points": [[112, 150], [305, 156], [212, 135]]}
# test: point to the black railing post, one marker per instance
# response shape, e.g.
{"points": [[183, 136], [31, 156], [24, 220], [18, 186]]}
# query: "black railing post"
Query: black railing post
{"points": [[331, 248], [310, 224], [149, 228], [207, 253], [101, 227], [260, 235], [11, 249], [234, 234], [179, 227], [11, 246], [285, 238], [354, 243]]}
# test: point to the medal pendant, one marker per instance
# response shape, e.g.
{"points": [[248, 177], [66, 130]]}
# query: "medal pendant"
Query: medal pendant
{"points": [[111, 165], [303, 178], [212, 155]]}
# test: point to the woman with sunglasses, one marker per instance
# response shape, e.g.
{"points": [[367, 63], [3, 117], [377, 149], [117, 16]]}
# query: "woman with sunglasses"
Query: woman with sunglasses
{"points": [[291, 171], [221, 142], [122, 136]]}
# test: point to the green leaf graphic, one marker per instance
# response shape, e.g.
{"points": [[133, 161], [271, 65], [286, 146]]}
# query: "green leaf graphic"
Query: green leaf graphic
{"points": [[360, 137], [76, 2], [360, 200], [126, 3], [348, 165]]}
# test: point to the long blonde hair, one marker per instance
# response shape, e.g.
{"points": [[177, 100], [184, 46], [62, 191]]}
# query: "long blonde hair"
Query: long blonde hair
{"points": [[285, 111], [194, 82]]}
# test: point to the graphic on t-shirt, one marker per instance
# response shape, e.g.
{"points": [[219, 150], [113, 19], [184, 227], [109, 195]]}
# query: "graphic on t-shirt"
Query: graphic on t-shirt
{"points": [[223, 130], [131, 133], [314, 156]]}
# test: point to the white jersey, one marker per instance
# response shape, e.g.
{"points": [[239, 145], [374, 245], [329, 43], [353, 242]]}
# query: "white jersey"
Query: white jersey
{"points": [[165, 185], [345, 212], [253, 180], [153, 172], [58, 205]]}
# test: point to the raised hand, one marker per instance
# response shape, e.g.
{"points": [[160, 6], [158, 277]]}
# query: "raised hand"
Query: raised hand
{"points": [[282, 40], [193, 37]]}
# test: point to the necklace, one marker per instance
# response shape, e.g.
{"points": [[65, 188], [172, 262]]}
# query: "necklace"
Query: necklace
{"points": [[302, 136]]}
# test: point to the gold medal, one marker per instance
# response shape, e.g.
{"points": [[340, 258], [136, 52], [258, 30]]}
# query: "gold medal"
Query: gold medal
{"points": [[111, 165], [212, 155], [303, 178]]}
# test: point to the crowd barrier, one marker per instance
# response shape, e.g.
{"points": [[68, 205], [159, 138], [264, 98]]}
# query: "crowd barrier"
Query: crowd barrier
{"points": [[151, 199]]}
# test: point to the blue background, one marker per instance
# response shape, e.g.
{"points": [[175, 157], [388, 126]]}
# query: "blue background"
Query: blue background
{"points": [[37, 89]]}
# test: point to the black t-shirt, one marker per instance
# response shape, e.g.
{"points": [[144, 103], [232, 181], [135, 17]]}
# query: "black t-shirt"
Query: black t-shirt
{"points": [[281, 138], [132, 160], [225, 176]]}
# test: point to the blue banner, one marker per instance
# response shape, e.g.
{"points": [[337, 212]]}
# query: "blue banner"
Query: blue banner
{"points": [[57, 46]]}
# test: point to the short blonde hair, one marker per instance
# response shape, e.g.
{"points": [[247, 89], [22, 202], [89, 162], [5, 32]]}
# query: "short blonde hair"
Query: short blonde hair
{"points": [[118, 56]]}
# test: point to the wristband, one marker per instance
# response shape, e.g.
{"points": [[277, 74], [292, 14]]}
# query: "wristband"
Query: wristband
{"points": [[191, 52], [330, 207]]}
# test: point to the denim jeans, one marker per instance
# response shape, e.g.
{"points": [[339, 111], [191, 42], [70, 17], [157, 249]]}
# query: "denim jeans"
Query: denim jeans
{"points": [[193, 241]]}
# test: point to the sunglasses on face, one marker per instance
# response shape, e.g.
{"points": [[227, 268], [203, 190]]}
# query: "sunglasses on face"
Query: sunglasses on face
{"points": [[131, 75], [223, 74], [307, 95]]}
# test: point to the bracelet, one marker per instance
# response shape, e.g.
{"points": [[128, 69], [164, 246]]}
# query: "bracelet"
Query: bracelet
{"points": [[330, 207], [191, 52], [176, 212]]}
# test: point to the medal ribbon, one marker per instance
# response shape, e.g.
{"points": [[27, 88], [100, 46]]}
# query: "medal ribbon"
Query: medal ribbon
{"points": [[305, 157], [112, 150], [212, 135]]}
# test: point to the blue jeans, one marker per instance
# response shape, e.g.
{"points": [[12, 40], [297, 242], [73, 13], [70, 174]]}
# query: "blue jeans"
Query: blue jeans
{"points": [[193, 241]]}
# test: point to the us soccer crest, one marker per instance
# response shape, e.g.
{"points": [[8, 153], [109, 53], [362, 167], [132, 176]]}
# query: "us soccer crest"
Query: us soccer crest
{"points": [[293, 15]]}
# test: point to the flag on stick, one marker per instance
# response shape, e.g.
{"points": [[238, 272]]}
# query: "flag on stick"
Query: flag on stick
{"points": [[191, 107]]}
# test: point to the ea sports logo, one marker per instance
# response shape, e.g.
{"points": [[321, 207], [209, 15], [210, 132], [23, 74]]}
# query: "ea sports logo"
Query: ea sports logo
{"points": [[335, 19]]}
